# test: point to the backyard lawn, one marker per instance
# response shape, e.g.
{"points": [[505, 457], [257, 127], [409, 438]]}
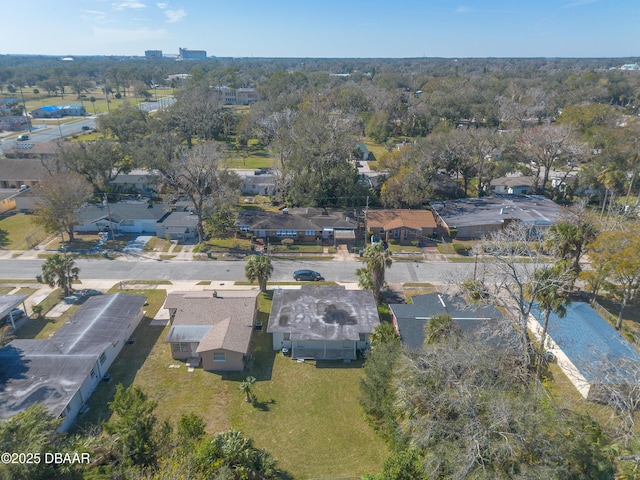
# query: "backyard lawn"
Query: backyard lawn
{"points": [[306, 414]]}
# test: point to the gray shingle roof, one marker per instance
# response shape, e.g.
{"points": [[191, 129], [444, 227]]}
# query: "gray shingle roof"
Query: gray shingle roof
{"points": [[23, 169], [412, 318], [120, 211], [51, 371], [323, 313], [529, 209]]}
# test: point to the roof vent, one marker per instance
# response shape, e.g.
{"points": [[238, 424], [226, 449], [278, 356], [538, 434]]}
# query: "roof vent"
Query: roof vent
{"points": [[285, 211]]}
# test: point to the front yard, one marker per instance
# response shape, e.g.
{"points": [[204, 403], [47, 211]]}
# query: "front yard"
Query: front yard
{"points": [[19, 232]]}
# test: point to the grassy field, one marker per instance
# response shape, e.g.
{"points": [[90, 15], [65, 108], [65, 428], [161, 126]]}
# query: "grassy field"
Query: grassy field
{"points": [[19, 232], [307, 414]]}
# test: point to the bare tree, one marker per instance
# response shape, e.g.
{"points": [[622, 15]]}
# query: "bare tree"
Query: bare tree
{"points": [[521, 272], [198, 174], [58, 198]]}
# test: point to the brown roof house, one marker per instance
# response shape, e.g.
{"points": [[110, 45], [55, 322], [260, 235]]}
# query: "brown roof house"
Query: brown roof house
{"points": [[210, 328], [322, 322], [401, 224], [17, 172]]}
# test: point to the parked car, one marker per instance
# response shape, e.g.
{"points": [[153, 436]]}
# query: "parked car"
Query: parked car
{"points": [[16, 314], [22, 138], [86, 127], [307, 276]]}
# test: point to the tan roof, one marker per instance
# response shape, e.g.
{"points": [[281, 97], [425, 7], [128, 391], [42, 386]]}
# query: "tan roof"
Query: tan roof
{"points": [[396, 218], [24, 169], [230, 315], [513, 181]]}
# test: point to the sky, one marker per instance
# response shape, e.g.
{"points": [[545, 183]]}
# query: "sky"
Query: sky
{"points": [[324, 28]]}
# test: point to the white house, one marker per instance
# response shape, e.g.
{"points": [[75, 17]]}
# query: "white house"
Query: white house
{"points": [[62, 371], [123, 217]]}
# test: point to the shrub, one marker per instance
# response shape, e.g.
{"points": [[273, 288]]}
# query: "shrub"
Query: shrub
{"points": [[287, 242]]}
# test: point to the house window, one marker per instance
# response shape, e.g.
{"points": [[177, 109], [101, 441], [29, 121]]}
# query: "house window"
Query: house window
{"points": [[285, 233], [287, 337], [103, 358], [93, 372], [396, 234], [406, 234], [126, 223], [180, 347], [244, 228], [309, 233], [362, 337], [219, 357]]}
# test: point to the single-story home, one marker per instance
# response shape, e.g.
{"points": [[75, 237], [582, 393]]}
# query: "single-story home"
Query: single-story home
{"points": [[411, 319], [35, 150], [62, 371], [141, 181], [303, 224], [401, 224], [515, 185], [57, 111], [17, 172], [477, 217], [211, 328], [590, 351], [178, 226], [123, 217], [261, 184], [322, 322]]}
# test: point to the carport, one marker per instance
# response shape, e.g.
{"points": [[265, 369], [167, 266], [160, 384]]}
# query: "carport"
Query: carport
{"points": [[8, 303]]}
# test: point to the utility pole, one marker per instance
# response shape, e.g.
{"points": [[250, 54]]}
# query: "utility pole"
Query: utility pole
{"points": [[106, 202]]}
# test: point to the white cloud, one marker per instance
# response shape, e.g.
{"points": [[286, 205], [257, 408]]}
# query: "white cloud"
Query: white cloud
{"points": [[131, 4], [162, 6], [174, 16], [113, 35]]}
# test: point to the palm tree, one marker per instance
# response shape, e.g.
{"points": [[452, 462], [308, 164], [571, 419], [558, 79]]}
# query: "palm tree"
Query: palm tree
{"points": [[247, 387], [550, 288], [259, 268], [440, 327], [384, 333], [371, 276], [60, 271]]}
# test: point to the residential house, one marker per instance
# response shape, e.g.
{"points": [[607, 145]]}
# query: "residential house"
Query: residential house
{"points": [[211, 328], [401, 224], [411, 319], [62, 371], [257, 184], [25, 199], [122, 217], [178, 226], [41, 150], [322, 322], [7, 199], [513, 185], [305, 225], [17, 172], [591, 353], [477, 217], [15, 123], [140, 181]]}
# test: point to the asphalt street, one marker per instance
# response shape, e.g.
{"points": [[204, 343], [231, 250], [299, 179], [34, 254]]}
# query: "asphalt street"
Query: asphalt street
{"points": [[148, 269]]}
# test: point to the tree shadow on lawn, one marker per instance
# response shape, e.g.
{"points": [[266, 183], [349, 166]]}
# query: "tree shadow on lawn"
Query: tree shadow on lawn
{"points": [[123, 370], [4, 238]]}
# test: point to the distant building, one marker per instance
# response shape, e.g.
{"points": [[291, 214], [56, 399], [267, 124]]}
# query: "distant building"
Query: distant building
{"points": [[153, 54], [192, 54], [630, 66], [57, 111], [237, 96]]}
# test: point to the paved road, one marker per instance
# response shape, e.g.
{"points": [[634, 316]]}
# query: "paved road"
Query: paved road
{"points": [[435, 272]]}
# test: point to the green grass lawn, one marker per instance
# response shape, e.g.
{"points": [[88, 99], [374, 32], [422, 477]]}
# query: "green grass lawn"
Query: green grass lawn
{"points": [[307, 414], [156, 244], [19, 232]]}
